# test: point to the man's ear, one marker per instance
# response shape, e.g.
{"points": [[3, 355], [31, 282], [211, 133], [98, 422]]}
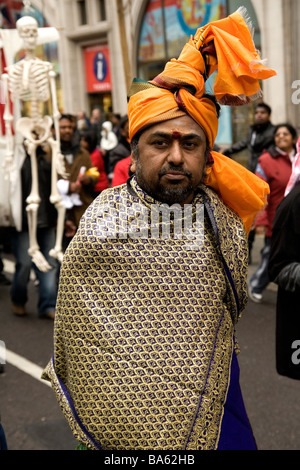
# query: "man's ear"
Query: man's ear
{"points": [[133, 164]]}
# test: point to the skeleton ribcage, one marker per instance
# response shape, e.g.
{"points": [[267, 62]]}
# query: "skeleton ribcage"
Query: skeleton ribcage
{"points": [[38, 81]]}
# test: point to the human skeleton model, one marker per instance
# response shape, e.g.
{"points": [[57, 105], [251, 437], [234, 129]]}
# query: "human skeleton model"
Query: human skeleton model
{"points": [[33, 80]]}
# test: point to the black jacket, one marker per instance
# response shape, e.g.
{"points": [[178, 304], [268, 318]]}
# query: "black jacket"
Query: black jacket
{"points": [[284, 264], [122, 150], [47, 214], [259, 138]]}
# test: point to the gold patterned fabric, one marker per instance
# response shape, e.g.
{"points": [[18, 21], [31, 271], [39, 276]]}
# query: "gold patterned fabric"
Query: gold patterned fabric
{"points": [[144, 331]]}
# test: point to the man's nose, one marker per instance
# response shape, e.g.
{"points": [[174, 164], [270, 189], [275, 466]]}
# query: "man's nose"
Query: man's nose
{"points": [[176, 154]]}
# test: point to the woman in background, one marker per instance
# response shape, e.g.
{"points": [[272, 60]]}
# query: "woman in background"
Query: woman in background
{"points": [[88, 140], [275, 167]]}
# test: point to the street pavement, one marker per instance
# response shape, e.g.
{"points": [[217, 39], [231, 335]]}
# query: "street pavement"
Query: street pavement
{"points": [[31, 416]]}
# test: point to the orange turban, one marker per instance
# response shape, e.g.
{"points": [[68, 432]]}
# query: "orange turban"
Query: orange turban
{"points": [[226, 46]]}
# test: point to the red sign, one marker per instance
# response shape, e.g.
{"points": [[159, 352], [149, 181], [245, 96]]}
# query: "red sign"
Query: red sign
{"points": [[97, 69]]}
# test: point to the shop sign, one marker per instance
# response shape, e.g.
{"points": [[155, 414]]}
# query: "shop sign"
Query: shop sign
{"points": [[97, 69]]}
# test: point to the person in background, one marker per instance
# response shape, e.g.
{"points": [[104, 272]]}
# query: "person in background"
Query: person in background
{"points": [[259, 138], [108, 138], [274, 167], [115, 118], [77, 183], [88, 141], [121, 172], [96, 123], [107, 143], [3, 442], [83, 122], [122, 150], [284, 270], [4, 281]]}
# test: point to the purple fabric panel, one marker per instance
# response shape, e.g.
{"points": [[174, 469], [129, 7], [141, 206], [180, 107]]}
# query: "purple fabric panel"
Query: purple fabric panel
{"points": [[236, 432]]}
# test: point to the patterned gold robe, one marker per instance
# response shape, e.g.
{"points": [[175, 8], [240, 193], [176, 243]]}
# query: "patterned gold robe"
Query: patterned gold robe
{"points": [[144, 332]]}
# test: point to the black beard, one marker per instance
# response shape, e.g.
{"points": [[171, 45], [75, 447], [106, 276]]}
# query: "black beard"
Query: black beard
{"points": [[168, 195]]}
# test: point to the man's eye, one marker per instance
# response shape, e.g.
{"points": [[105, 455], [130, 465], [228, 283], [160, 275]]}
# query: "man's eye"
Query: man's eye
{"points": [[189, 145], [160, 143]]}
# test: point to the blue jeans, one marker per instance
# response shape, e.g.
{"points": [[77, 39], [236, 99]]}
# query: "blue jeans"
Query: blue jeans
{"points": [[3, 443], [48, 281], [260, 279]]}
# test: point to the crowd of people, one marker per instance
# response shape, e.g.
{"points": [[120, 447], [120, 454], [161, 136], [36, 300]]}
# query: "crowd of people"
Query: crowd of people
{"points": [[86, 143], [271, 153], [274, 156]]}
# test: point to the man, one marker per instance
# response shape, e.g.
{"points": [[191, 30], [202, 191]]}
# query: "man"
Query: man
{"points": [[96, 123], [122, 150], [78, 184], [145, 355], [260, 136]]}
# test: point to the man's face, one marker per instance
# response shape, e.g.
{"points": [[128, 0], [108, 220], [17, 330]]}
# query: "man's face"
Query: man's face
{"points": [[66, 130], [261, 115], [96, 115], [171, 160]]}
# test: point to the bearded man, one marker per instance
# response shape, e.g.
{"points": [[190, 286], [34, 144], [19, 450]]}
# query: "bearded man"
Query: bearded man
{"points": [[145, 350]]}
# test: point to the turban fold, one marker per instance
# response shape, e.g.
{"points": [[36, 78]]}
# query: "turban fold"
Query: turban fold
{"points": [[226, 46]]}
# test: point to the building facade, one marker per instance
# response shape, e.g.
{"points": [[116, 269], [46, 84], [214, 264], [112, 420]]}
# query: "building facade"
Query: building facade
{"points": [[105, 43]]}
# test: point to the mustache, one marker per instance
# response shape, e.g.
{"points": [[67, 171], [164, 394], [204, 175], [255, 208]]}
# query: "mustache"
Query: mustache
{"points": [[178, 169]]}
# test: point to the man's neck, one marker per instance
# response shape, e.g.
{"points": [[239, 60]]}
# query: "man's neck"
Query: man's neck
{"points": [[263, 125]]}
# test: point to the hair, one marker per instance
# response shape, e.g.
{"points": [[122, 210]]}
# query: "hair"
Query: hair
{"points": [[69, 117], [91, 138], [123, 121], [265, 106], [290, 128]]}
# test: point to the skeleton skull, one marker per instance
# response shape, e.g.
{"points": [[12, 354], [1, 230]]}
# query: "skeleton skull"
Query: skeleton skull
{"points": [[27, 27]]}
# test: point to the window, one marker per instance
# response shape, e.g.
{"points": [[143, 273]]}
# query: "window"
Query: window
{"points": [[102, 10], [82, 12]]}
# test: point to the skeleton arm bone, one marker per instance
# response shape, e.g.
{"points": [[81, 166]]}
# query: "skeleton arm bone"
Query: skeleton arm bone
{"points": [[59, 159], [56, 199]]}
